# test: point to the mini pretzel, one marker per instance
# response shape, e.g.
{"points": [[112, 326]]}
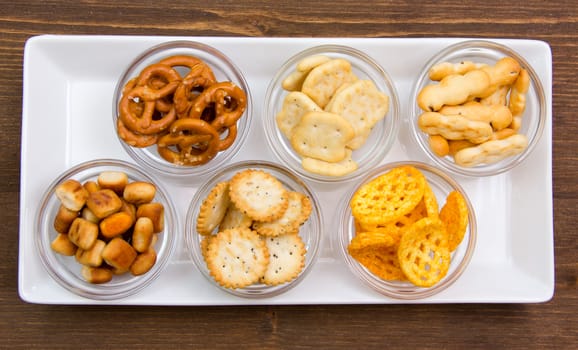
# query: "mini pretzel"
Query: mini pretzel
{"points": [[195, 140], [228, 100], [199, 78], [147, 122]]}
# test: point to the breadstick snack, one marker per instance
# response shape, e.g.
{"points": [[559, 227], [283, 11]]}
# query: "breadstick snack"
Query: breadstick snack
{"points": [[473, 111]]}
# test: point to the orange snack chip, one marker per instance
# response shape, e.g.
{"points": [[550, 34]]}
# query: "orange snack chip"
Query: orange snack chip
{"points": [[388, 197], [454, 215], [424, 253]]}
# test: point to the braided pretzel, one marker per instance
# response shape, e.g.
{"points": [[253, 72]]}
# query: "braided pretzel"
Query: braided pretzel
{"points": [[195, 140]]}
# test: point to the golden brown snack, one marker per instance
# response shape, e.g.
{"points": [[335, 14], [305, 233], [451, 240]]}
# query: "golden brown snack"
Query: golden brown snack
{"points": [[64, 218], [62, 245], [154, 211], [115, 224], [297, 212], [83, 233], [142, 235], [91, 257], [119, 254], [104, 203], [139, 192], [71, 194], [96, 275], [286, 259], [113, 180], [454, 127], [143, 262]]}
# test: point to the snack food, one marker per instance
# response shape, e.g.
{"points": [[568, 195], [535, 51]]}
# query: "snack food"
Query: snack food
{"points": [[400, 232], [190, 116], [108, 233], [328, 112], [475, 110], [254, 239]]}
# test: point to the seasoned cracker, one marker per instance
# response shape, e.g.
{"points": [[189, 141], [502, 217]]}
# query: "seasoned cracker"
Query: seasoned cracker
{"points": [[213, 208], [295, 105], [362, 105], [235, 218], [258, 194], [237, 258], [286, 258], [424, 253], [454, 215], [296, 214], [388, 197], [323, 80], [322, 135], [345, 166]]}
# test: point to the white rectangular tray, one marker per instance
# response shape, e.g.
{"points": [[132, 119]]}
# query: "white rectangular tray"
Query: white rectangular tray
{"points": [[67, 105]]}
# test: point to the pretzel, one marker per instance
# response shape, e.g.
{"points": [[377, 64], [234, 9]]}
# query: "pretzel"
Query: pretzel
{"points": [[181, 60], [148, 122], [199, 78], [195, 140], [162, 80], [134, 139], [228, 100]]}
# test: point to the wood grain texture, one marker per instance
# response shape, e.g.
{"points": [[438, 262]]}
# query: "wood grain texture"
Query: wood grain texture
{"points": [[548, 325]]}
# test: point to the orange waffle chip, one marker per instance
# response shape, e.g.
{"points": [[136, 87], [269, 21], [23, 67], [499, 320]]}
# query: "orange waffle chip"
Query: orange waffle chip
{"points": [[424, 253], [364, 240], [382, 261], [430, 202], [454, 215], [389, 196]]}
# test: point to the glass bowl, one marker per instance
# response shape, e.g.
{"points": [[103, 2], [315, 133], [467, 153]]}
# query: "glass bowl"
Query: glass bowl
{"points": [[441, 184], [533, 117], [224, 70], [66, 271], [310, 231], [381, 137]]}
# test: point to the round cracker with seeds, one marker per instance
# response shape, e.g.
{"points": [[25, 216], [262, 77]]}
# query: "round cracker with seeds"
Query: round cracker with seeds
{"points": [[213, 208], [286, 259], [237, 258], [235, 218], [296, 214], [258, 194]]}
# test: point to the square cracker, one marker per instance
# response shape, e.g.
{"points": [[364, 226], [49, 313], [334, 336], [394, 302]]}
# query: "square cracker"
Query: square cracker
{"points": [[323, 80], [295, 105], [345, 166], [363, 105], [322, 135]]}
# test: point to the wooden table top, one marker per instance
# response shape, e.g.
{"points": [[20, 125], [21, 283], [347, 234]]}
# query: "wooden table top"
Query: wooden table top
{"points": [[552, 324]]}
